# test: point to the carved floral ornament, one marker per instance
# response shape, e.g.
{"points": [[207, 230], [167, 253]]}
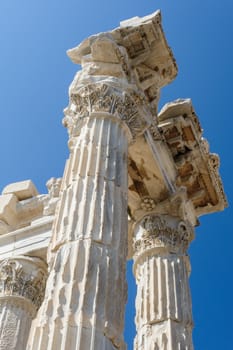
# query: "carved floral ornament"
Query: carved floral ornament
{"points": [[161, 231], [148, 204], [24, 277], [128, 107]]}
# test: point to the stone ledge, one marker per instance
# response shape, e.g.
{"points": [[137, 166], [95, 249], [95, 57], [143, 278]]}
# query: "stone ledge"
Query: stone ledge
{"points": [[31, 240], [22, 190]]}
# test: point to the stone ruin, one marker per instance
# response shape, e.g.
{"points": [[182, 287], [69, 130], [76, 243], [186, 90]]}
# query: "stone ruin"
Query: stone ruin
{"points": [[134, 186]]}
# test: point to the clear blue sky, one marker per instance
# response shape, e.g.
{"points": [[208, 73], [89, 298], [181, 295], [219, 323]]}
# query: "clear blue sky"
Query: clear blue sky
{"points": [[34, 77]]}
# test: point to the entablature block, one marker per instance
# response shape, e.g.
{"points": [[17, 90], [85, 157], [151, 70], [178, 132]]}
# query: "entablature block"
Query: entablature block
{"points": [[197, 168]]}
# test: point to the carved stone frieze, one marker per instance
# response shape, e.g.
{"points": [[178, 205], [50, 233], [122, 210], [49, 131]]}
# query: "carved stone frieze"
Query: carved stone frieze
{"points": [[149, 59], [134, 55], [197, 168], [24, 277], [161, 231]]}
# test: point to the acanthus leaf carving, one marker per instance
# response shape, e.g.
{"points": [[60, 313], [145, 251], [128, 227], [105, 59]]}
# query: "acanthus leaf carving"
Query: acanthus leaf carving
{"points": [[156, 232], [24, 277], [126, 106]]}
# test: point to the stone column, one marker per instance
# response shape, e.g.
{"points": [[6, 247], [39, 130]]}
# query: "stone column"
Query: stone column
{"points": [[22, 285], [161, 268], [86, 290]]}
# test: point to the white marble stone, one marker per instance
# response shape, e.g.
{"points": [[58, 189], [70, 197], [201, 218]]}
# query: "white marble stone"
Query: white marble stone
{"points": [[128, 167], [163, 302], [89, 246], [31, 240], [86, 289], [22, 285], [22, 190]]}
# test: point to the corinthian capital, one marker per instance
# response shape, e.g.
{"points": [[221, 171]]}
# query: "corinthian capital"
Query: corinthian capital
{"points": [[122, 73], [107, 99], [161, 233], [24, 277]]}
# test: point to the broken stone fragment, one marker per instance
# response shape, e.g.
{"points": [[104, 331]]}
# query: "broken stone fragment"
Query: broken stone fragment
{"points": [[22, 190]]}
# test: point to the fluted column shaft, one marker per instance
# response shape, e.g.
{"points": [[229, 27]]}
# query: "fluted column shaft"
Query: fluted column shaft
{"points": [[86, 290], [163, 303], [22, 284]]}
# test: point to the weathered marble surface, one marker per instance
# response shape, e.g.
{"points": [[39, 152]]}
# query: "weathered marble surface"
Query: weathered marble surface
{"points": [[89, 246], [22, 286], [133, 187], [161, 268], [86, 290]]}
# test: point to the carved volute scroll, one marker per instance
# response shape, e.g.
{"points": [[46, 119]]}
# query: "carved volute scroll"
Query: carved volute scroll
{"points": [[23, 277]]}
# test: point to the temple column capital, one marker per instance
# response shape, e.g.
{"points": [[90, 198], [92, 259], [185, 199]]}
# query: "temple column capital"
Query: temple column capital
{"points": [[161, 234], [23, 278], [107, 99], [22, 287]]}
